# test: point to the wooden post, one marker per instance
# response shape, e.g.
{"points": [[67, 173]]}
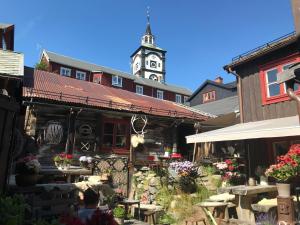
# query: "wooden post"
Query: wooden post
{"points": [[71, 132]]}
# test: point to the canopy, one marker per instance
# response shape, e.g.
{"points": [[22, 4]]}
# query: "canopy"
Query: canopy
{"points": [[282, 127]]}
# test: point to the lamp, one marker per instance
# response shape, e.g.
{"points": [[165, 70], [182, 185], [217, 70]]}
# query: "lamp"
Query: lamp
{"points": [[290, 77]]}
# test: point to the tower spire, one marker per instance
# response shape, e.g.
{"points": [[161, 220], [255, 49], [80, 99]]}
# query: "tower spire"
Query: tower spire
{"points": [[148, 38]]}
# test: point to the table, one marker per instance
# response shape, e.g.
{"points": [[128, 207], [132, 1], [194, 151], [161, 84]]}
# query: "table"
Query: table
{"points": [[220, 209], [72, 171], [134, 222], [244, 196], [130, 202]]}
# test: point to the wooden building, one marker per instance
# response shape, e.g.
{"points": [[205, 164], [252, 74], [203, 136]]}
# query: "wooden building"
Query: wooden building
{"points": [[269, 122], [89, 118]]}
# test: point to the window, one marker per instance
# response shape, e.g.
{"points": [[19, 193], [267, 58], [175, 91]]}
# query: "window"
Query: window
{"points": [[80, 75], [271, 91], [117, 81], [153, 64], [139, 89], [178, 98], [65, 71], [185, 99], [209, 96], [115, 134], [160, 94]]}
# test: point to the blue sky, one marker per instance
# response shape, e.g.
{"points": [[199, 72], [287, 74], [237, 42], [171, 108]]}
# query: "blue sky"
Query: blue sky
{"points": [[200, 36]]}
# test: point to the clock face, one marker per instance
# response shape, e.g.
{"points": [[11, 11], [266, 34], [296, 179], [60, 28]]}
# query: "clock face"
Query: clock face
{"points": [[153, 64], [153, 77]]}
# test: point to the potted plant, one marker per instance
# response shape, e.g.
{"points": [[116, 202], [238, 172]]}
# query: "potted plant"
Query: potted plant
{"points": [[27, 170], [166, 219], [119, 214], [86, 161], [63, 160], [12, 210], [57, 160], [286, 168]]}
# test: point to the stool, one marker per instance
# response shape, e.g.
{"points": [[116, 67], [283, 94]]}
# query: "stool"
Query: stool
{"points": [[149, 216], [196, 221]]}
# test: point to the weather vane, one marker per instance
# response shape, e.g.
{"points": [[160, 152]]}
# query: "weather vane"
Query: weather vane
{"points": [[148, 14]]}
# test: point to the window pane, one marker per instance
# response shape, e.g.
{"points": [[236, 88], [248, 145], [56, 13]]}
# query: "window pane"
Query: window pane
{"points": [[274, 89], [272, 76], [285, 67], [296, 86], [108, 128], [121, 141], [121, 129], [108, 140]]}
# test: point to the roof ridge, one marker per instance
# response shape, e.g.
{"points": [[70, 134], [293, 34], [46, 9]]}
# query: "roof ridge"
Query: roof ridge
{"points": [[196, 110]]}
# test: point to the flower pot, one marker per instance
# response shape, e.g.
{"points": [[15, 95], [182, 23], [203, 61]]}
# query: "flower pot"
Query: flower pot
{"points": [[24, 180], [284, 190], [263, 180], [57, 164], [66, 166], [119, 221]]}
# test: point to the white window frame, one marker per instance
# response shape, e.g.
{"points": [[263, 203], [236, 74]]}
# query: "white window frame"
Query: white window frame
{"points": [[65, 69], [274, 82], [160, 94], [79, 74], [178, 98], [185, 99], [117, 80], [287, 64], [139, 89]]}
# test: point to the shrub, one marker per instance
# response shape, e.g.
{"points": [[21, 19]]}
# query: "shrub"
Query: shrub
{"points": [[119, 212]]}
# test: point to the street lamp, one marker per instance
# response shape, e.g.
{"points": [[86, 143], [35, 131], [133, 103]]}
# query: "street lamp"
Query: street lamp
{"points": [[291, 76]]}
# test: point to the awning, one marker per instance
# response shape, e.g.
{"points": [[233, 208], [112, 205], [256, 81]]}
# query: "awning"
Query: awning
{"points": [[282, 127]]}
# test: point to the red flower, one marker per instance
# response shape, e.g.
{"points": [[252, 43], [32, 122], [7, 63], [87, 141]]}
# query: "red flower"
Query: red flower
{"points": [[231, 168], [69, 156], [228, 161]]}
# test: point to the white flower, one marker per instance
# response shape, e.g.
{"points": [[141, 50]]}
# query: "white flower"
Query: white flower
{"points": [[83, 158]]}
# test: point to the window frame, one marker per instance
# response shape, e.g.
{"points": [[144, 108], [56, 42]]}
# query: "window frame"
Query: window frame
{"points": [[114, 148], [178, 95], [213, 92], [162, 94], [276, 64], [118, 84], [185, 99], [66, 69], [82, 73], [139, 87]]}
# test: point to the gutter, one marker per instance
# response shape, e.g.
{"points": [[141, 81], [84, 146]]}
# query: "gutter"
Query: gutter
{"points": [[240, 88]]}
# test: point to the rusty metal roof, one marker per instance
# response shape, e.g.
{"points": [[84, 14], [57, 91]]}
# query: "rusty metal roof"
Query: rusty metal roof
{"points": [[44, 85]]}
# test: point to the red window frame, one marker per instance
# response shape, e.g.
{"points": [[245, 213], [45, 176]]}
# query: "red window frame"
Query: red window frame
{"points": [[113, 148], [211, 96], [277, 64]]}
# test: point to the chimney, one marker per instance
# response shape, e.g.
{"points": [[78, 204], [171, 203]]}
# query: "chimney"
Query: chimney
{"points": [[296, 14], [219, 80]]}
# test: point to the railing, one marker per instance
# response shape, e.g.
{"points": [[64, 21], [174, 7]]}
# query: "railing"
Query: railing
{"points": [[269, 44]]}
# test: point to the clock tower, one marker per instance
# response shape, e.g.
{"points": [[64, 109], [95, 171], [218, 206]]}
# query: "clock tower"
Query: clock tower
{"points": [[148, 61]]}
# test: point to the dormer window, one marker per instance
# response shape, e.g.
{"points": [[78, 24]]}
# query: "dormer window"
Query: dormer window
{"points": [[139, 89], [65, 71], [185, 99], [117, 81], [80, 75], [209, 96]]}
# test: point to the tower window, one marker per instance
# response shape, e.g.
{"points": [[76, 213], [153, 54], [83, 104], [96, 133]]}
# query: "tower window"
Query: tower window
{"points": [[160, 94], [80, 75], [65, 71], [117, 81], [146, 39], [158, 64], [147, 62], [139, 89]]}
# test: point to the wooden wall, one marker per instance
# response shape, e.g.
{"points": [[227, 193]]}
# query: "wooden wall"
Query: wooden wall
{"points": [[253, 107]]}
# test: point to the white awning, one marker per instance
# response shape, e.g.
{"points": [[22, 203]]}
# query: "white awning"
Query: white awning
{"points": [[282, 127]]}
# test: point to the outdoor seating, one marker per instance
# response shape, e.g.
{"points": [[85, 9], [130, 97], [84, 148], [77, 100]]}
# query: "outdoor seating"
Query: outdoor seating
{"points": [[129, 202], [195, 222], [149, 217]]}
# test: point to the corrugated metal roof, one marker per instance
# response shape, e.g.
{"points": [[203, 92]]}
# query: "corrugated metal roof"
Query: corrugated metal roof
{"points": [[68, 61], [49, 86], [11, 63], [220, 107]]}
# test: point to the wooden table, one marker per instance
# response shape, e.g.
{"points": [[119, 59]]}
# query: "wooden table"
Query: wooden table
{"points": [[244, 196], [130, 202], [72, 171]]}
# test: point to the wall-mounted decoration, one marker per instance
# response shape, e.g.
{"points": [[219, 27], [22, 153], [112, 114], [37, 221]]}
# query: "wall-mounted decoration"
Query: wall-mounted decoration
{"points": [[85, 130], [54, 132]]}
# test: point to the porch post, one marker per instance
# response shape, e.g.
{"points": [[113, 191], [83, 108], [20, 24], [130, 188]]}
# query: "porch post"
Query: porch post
{"points": [[71, 132]]}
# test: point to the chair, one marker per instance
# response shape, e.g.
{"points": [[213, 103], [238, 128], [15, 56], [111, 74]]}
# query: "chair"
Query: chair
{"points": [[149, 217]]}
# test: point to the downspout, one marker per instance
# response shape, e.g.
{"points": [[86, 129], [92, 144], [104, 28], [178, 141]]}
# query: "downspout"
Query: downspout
{"points": [[239, 86]]}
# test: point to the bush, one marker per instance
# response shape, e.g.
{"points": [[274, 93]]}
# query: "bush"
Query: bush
{"points": [[164, 197], [119, 212]]}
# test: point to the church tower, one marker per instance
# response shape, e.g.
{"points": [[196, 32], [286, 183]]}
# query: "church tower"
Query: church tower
{"points": [[148, 61]]}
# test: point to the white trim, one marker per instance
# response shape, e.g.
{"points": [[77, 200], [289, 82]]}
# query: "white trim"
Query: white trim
{"points": [[274, 82], [139, 87], [118, 82], [185, 99], [179, 98], [80, 73], [161, 93], [66, 69]]}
